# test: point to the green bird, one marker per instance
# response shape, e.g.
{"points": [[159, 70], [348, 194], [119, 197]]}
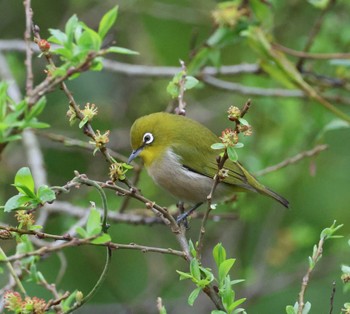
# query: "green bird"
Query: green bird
{"points": [[177, 154]]}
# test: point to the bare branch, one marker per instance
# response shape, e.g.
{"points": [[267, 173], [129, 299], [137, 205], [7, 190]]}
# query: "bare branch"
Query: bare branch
{"points": [[292, 160]]}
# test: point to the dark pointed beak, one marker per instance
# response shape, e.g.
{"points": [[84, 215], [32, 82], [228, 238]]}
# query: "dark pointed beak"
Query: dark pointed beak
{"points": [[134, 154]]}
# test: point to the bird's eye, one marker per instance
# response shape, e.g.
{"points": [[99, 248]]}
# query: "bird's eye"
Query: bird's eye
{"points": [[148, 138]]}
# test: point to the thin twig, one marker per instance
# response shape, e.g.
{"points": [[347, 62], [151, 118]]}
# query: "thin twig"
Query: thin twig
{"points": [[70, 241], [310, 55], [332, 298], [216, 181], [72, 142], [97, 284], [292, 160], [27, 37], [252, 91], [181, 108], [314, 31], [316, 256]]}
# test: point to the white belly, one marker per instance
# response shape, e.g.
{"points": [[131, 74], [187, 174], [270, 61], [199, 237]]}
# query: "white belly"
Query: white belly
{"points": [[184, 184]]}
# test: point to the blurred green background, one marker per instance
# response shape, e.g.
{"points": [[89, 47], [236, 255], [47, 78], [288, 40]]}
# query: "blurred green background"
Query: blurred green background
{"points": [[271, 244]]}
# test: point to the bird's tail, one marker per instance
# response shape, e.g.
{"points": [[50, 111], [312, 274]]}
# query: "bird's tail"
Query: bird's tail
{"points": [[260, 188], [274, 195]]}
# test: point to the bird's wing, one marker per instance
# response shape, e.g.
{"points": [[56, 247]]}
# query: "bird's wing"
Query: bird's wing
{"points": [[202, 159]]}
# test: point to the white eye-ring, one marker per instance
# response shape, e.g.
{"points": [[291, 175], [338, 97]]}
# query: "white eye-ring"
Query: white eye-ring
{"points": [[148, 138]]}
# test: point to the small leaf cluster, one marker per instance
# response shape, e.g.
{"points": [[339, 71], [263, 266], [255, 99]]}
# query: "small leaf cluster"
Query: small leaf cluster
{"points": [[28, 198], [226, 292], [294, 309], [327, 233], [93, 228], [80, 43], [229, 138], [174, 86], [17, 116], [202, 277]]}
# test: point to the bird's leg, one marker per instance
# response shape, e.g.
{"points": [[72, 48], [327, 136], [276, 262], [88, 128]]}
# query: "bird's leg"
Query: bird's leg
{"points": [[183, 217]]}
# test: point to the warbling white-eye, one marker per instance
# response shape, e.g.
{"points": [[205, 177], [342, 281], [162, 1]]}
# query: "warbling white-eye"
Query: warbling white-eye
{"points": [[177, 155]]}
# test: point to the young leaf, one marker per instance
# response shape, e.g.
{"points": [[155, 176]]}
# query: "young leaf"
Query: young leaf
{"points": [[239, 145], [24, 177], [24, 190], [232, 155], [307, 308], [193, 296], [184, 275], [290, 310], [190, 82], [79, 230], [16, 202], [93, 226], [217, 146], [194, 268], [225, 267], [219, 254], [71, 25], [45, 194], [107, 22], [104, 238], [236, 303], [36, 109], [58, 37], [121, 50]]}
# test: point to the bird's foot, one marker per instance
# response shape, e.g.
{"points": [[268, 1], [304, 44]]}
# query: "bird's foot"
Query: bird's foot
{"points": [[183, 217]]}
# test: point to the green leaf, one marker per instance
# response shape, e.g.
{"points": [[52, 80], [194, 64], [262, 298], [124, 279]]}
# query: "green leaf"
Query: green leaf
{"points": [[58, 37], [83, 122], [89, 40], [107, 22], [219, 254], [345, 269], [217, 312], [45, 194], [232, 155], [226, 293], [243, 121], [290, 310], [184, 275], [335, 124], [121, 50], [37, 125], [104, 238], [25, 191], [82, 232], [194, 269], [190, 82], [71, 25], [16, 202], [236, 303], [199, 61], [93, 226], [173, 89], [217, 146], [192, 248], [319, 4], [225, 267], [36, 109], [193, 296], [307, 308], [239, 145], [24, 177]]}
